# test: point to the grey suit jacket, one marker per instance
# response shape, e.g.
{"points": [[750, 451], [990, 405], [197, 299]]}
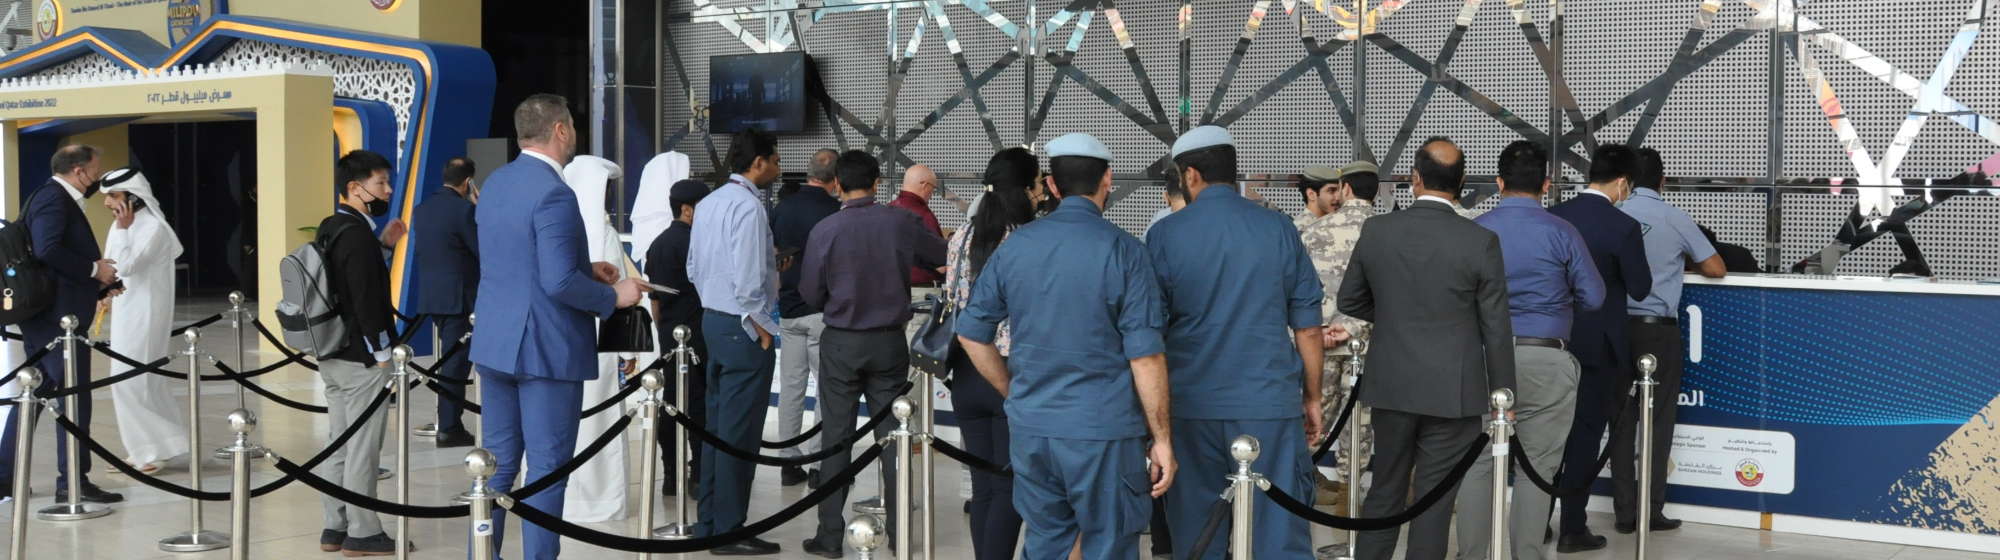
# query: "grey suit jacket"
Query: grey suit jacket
{"points": [[1436, 289]]}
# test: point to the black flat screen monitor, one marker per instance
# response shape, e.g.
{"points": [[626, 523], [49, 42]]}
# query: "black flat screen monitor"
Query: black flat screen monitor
{"points": [[766, 91]]}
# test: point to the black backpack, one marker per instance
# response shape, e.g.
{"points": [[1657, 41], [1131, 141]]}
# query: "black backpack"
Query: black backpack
{"points": [[27, 288]]}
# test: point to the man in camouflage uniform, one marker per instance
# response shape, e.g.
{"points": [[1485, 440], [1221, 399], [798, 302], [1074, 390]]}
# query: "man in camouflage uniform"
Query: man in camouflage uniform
{"points": [[1337, 201]]}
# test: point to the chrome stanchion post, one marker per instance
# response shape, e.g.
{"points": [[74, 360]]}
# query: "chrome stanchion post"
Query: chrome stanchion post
{"points": [[683, 358], [399, 377], [437, 349], [900, 437], [864, 535], [465, 498], [75, 509], [649, 414], [1241, 486], [1356, 348], [926, 465], [196, 539], [480, 465], [241, 422], [238, 322], [1647, 365], [1503, 404], [24, 447]]}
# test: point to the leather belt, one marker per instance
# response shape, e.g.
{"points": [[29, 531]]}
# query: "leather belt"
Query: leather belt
{"points": [[1652, 320], [1555, 343]]}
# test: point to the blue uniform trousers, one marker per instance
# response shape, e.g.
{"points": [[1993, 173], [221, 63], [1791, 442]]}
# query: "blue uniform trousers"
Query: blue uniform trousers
{"points": [[739, 390], [1202, 449], [535, 417], [1066, 488]]}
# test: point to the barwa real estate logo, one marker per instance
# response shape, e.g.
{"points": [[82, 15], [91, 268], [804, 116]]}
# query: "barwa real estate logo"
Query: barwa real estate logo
{"points": [[385, 5], [48, 19]]}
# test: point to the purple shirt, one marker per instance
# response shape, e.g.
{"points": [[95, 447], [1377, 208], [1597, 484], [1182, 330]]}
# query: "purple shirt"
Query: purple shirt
{"points": [[856, 263], [1549, 270]]}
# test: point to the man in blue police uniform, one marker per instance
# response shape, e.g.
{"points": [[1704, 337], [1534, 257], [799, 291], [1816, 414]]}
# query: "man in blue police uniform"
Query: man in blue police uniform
{"points": [[1086, 382], [1243, 340], [447, 242], [1549, 277], [1673, 244]]}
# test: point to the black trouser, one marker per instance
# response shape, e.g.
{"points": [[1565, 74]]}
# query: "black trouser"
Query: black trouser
{"points": [[1600, 395], [982, 421], [1413, 452], [452, 328], [697, 384], [1664, 343], [853, 363], [34, 336]]}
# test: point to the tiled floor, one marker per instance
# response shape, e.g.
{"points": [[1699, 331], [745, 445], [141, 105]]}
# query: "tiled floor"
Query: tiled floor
{"points": [[287, 522]]}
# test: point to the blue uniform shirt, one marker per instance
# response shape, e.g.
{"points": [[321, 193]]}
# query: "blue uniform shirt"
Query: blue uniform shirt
{"points": [[1080, 297], [1237, 280], [1670, 234], [1549, 270]]}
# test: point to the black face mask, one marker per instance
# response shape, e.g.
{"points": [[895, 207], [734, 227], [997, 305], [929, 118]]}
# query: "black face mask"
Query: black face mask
{"points": [[91, 189], [378, 207]]}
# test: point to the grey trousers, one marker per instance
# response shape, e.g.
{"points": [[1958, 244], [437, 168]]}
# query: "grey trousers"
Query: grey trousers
{"points": [[1545, 405], [798, 360], [349, 388]]}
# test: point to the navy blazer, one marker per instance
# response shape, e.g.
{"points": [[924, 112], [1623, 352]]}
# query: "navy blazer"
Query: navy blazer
{"points": [[537, 307], [1619, 248], [446, 239], [62, 238]]}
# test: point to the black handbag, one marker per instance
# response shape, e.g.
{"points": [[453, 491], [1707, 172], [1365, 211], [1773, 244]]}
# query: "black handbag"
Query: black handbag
{"points": [[626, 331], [27, 286], [930, 348]]}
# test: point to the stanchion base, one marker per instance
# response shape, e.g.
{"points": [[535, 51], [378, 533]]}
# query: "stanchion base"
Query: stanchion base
{"points": [[426, 430], [73, 512], [195, 542], [1334, 552], [228, 453], [674, 531]]}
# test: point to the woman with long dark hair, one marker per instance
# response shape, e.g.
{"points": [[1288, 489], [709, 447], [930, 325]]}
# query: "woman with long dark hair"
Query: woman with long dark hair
{"points": [[1012, 193]]}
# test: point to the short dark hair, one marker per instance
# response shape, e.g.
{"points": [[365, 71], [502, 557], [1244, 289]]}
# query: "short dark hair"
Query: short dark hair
{"points": [[69, 158], [857, 171], [1077, 175], [458, 170], [1440, 176], [1307, 185], [537, 116], [821, 166], [1612, 162], [1217, 164], [1652, 172], [1364, 184], [747, 146], [357, 166], [1523, 166]]}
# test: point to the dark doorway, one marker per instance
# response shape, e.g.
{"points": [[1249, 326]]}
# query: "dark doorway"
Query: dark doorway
{"points": [[206, 177]]}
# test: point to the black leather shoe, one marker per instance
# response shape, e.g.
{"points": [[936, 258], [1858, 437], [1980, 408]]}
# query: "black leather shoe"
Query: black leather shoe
{"points": [[378, 545], [1659, 524], [1583, 542], [813, 547], [454, 438], [329, 540], [93, 494], [794, 476], [748, 547]]}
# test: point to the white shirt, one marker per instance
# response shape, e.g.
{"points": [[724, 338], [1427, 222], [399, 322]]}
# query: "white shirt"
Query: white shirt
{"points": [[1599, 193], [545, 159], [77, 197], [1437, 199]]}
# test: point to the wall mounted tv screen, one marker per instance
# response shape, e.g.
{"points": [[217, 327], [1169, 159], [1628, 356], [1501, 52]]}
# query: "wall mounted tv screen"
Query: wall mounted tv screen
{"points": [[765, 91]]}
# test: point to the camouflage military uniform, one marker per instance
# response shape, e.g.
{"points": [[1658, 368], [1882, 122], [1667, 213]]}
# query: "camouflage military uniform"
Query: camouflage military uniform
{"points": [[1330, 239]]}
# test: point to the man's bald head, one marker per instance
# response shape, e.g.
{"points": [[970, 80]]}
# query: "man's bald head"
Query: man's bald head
{"points": [[920, 181], [1440, 167]]}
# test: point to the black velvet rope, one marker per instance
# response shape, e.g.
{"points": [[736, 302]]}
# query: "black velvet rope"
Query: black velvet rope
{"points": [[1555, 492], [623, 393], [25, 364], [410, 330], [156, 367], [279, 345], [93, 385], [1429, 499], [801, 438], [1346, 412], [575, 462], [368, 502], [702, 433], [968, 459], [594, 537], [1210, 528], [266, 393], [447, 356], [210, 320], [446, 394]]}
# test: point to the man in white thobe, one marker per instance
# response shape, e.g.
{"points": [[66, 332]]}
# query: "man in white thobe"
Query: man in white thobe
{"points": [[597, 490], [151, 421]]}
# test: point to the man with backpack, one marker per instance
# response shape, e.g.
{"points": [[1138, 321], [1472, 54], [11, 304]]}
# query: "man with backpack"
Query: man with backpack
{"points": [[354, 365], [61, 240]]}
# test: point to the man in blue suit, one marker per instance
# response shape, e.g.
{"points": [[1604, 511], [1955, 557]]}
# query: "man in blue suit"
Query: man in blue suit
{"points": [[536, 343], [447, 242], [1598, 337], [64, 242]]}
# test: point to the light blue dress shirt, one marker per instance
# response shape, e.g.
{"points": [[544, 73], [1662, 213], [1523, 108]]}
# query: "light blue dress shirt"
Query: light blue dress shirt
{"points": [[1549, 270], [1672, 241], [730, 257]]}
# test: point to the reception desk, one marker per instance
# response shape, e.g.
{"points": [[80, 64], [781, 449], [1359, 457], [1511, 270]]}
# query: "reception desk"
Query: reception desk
{"points": [[1854, 407]]}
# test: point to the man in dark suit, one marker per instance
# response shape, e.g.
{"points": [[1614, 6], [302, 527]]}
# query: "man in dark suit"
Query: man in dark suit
{"points": [[1435, 287], [63, 240], [1598, 337], [447, 242], [666, 265]]}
